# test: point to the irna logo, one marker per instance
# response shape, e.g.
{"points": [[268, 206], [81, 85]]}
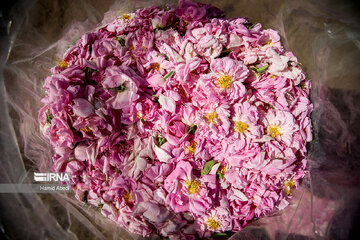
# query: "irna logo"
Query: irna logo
{"points": [[52, 177]]}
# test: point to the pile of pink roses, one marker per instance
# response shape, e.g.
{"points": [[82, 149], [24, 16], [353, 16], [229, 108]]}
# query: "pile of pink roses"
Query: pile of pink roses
{"points": [[179, 122]]}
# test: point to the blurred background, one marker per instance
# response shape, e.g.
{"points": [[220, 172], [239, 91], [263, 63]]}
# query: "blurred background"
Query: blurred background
{"points": [[323, 34]]}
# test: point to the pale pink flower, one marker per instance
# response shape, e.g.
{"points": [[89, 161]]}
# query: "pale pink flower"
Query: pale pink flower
{"points": [[209, 40], [60, 134], [245, 121], [217, 220], [156, 80], [170, 38], [213, 121], [239, 151], [82, 107], [258, 162], [227, 77], [121, 189], [122, 89], [271, 38], [157, 63], [190, 11], [280, 125], [146, 110], [104, 47], [137, 161], [91, 127], [284, 65], [157, 172], [188, 114], [188, 193], [187, 50], [85, 152], [242, 212], [189, 72], [265, 201]]}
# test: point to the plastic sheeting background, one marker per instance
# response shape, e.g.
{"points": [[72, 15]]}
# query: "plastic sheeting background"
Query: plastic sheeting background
{"points": [[324, 35]]}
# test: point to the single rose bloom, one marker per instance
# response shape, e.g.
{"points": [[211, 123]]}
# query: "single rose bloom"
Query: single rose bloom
{"points": [[280, 126], [227, 78], [188, 193]]}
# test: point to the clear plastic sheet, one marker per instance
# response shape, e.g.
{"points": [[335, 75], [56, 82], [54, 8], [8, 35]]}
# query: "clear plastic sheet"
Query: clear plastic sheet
{"points": [[324, 35]]}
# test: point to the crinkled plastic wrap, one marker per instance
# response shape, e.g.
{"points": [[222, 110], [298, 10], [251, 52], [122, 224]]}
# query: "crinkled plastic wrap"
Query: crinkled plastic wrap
{"points": [[324, 35]]}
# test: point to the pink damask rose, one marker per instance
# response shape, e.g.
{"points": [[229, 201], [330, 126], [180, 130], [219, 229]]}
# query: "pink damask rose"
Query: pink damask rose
{"points": [[227, 76], [280, 126], [121, 87], [217, 220], [246, 121], [188, 193]]}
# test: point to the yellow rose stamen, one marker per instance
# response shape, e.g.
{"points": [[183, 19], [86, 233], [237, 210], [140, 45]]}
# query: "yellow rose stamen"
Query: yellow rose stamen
{"points": [[224, 81], [127, 196], [140, 116], [192, 147], [192, 186], [87, 130], [240, 126], [222, 170], [63, 64], [288, 186], [125, 17], [211, 117], [273, 130], [155, 66], [212, 224]]}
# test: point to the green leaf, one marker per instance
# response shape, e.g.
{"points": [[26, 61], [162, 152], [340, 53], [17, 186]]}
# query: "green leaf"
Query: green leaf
{"points": [[192, 129], [119, 89], [160, 141], [164, 7], [270, 105], [155, 99], [207, 167], [249, 25], [161, 28], [121, 41], [166, 56], [290, 95], [49, 117], [169, 74], [224, 234], [260, 69], [88, 70]]}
